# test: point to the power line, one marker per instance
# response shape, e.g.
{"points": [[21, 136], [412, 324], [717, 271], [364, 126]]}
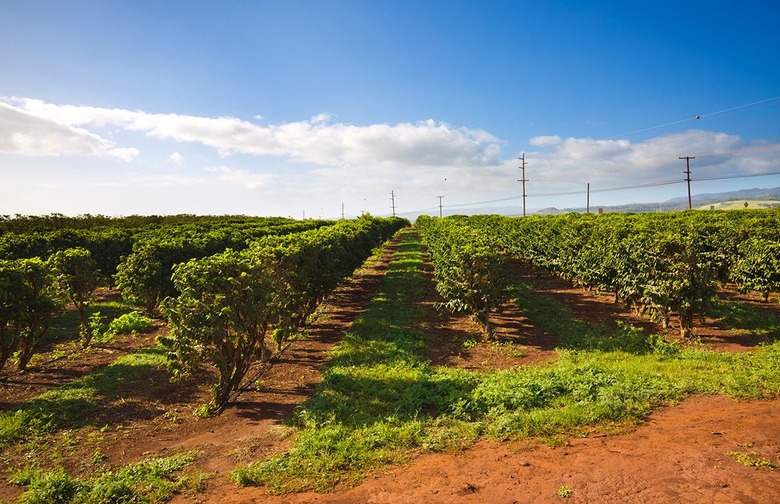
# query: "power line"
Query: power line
{"points": [[585, 191], [499, 200], [726, 177], [567, 193], [740, 107], [621, 188], [694, 118]]}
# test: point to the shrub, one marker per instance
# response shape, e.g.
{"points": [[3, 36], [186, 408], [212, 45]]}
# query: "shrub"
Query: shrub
{"points": [[129, 323]]}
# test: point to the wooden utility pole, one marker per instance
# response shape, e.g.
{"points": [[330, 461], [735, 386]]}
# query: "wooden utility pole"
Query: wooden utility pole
{"points": [[342, 210], [687, 173], [587, 200], [440, 197], [392, 202], [523, 180]]}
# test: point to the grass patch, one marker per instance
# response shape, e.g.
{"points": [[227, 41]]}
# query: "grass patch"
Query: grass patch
{"points": [[63, 338], [746, 319], [66, 325], [556, 318], [128, 323], [753, 459], [75, 404], [152, 480], [381, 401]]}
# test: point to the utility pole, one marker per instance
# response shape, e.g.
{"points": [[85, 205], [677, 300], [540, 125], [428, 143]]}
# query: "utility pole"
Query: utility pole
{"points": [[587, 200], [392, 202], [687, 173], [440, 197], [523, 180], [342, 210]]}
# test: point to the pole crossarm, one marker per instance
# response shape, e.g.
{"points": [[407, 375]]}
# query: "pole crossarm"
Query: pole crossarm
{"points": [[687, 173]]}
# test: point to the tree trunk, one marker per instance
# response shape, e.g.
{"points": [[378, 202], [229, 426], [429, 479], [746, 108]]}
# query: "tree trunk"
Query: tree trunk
{"points": [[686, 323], [86, 330]]}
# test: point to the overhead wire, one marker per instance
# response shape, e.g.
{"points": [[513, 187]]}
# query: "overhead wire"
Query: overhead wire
{"points": [[635, 186], [726, 177], [693, 118], [580, 192]]}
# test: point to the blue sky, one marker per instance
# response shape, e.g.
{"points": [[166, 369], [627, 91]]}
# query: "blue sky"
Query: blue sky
{"points": [[297, 107]]}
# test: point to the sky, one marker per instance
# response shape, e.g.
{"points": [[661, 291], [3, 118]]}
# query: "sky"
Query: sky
{"points": [[340, 107]]}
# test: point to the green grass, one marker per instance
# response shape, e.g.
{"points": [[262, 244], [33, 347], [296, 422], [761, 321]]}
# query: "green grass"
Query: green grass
{"points": [[150, 481], [128, 323], [381, 402], [65, 326], [76, 404], [747, 319], [564, 492], [64, 340], [557, 319]]}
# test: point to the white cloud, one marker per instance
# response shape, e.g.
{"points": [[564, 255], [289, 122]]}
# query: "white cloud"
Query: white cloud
{"points": [[242, 177], [26, 133], [317, 140], [146, 180], [620, 162], [176, 158], [545, 141]]}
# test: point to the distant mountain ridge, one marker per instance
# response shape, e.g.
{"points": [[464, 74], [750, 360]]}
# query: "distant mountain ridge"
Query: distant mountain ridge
{"points": [[681, 203], [742, 194], [698, 200]]}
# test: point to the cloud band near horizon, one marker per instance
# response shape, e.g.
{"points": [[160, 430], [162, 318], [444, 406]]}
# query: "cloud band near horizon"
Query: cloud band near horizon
{"points": [[425, 149]]}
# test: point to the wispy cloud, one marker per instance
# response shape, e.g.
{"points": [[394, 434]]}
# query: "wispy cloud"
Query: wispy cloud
{"points": [[618, 162], [251, 180], [317, 140], [135, 180], [27, 133], [176, 158]]}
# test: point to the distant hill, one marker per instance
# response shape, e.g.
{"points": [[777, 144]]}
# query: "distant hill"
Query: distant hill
{"points": [[742, 194], [740, 204], [756, 198]]}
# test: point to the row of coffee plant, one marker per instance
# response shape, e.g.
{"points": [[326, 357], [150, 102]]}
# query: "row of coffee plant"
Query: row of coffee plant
{"points": [[144, 275], [660, 264], [110, 240], [469, 273], [32, 291], [226, 305]]}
